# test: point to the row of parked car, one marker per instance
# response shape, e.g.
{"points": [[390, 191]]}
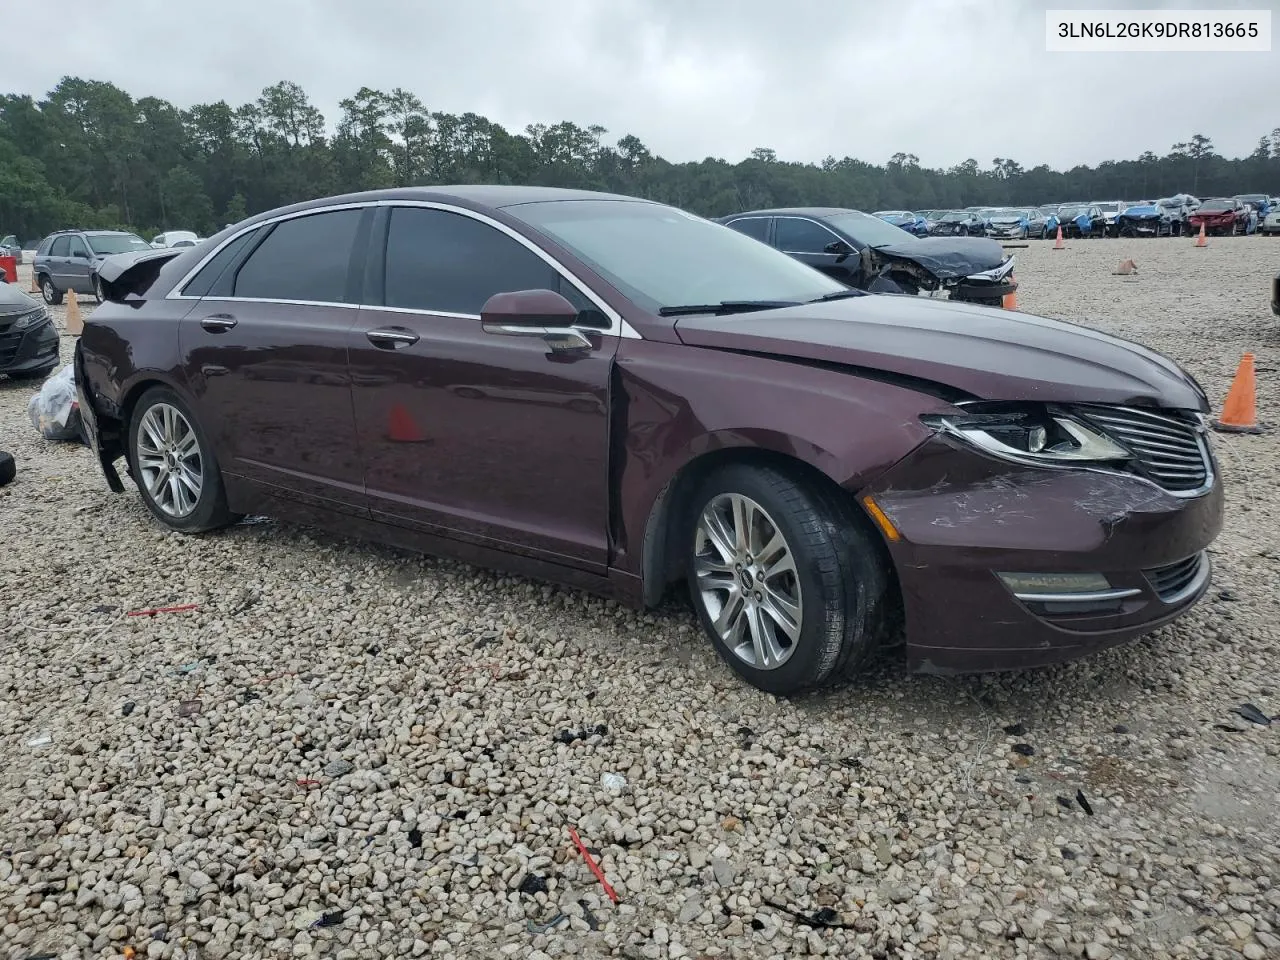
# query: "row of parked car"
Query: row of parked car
{"points": [[1170, 216]]}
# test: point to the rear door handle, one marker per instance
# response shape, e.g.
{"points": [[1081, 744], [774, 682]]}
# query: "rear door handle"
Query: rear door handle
{"points": [[218, 322], [392, 338]]}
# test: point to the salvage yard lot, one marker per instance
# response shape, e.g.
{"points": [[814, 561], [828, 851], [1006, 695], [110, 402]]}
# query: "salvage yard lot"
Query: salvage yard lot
{"points": [[378, 765]]}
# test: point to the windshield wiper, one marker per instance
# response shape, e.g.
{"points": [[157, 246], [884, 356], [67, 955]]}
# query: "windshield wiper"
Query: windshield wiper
{"points": [[725, 306], [840, 295]]}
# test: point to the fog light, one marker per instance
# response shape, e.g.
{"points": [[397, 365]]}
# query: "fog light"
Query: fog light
{"points": [[1055, 582]]}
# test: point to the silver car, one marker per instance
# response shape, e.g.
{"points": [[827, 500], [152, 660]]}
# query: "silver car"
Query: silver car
{"points": [[69, 260]]}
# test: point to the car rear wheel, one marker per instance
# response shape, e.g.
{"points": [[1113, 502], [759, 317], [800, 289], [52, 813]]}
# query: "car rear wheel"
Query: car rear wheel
{"points": [[97, 289], [52, 295], [172, 462], [786, 580]]}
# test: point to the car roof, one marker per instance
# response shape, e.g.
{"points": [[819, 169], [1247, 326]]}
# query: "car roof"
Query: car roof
{"points": [[493, 196], [818, 212]]}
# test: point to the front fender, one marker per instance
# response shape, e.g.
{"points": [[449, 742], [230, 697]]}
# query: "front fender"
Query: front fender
{"points": [[676, 404]]}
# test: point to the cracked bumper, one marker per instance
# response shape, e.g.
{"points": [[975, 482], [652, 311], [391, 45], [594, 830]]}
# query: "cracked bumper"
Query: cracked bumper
{"points": [[973, 517]]}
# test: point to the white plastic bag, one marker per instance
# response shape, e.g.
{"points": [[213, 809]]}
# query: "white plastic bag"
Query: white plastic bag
{"points": [[55, 410]]}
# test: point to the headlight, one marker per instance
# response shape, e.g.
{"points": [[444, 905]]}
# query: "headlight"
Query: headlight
{"points": [[1027, 433], [29, 320]]}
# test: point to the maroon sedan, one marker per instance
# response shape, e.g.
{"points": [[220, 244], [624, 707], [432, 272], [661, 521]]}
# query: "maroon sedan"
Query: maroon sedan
{"points": [[618, 395]]}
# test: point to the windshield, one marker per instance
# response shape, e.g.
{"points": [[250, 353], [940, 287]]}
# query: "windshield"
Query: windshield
{"points": [[955, 216], [1109, 207], [112, 243], [1253, 197], [867, 231], [661, 256], [1212, 205]]}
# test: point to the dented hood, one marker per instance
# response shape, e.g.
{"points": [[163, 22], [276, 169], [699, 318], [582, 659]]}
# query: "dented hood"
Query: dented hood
{"points": [[989, 353], [947, 258]]}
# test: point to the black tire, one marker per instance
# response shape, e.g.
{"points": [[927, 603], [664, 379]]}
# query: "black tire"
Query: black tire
{"points": [[97, 289], [52, 295], [844, 585], [8, 468], [210, 511]]}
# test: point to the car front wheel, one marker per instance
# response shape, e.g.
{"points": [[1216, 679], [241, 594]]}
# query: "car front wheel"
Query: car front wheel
{"points": [[786, 579], [97, 289], [173, 464], [52, 295]]}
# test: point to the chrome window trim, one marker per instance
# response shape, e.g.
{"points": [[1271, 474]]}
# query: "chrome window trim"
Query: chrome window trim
{"points": [[618, 327], [816, 223]]}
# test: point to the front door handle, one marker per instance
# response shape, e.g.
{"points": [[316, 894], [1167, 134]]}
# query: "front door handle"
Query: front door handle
{"points": [[218, 322], [392, 338]]}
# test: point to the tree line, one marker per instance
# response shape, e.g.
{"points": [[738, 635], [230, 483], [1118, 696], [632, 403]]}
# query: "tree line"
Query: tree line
{"points": [[90, 155]]}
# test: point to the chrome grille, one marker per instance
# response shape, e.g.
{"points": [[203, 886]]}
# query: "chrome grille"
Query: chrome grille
{"points": [[1170, 450], [1171, 579]]}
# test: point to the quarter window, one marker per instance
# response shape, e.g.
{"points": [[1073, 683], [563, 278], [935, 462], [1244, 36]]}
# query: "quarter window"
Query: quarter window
{"points": [[793, 235], [306, 258], [445, 262], [210, 280], [757, 227]]}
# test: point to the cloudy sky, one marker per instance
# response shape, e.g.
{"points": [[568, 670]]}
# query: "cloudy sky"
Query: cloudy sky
{"points": [[943, 79]]}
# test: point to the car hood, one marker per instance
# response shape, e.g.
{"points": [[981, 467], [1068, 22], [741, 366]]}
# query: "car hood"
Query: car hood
{"points": [[14, 301], [989, 353], [1007, 221], [1214, 213], [948, 257]]}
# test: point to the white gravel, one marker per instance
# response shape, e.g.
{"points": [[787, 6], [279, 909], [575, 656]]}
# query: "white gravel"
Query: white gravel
{"points": [[427, 700]]}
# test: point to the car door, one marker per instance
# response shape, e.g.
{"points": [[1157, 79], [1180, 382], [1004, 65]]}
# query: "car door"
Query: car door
{"points": [[265, 353], [491, 439], [807, 240], [59, 256], [79, 259]]}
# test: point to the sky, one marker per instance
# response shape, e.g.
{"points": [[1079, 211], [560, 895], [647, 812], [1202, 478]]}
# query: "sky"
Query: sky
{"points": [[942, 79]]}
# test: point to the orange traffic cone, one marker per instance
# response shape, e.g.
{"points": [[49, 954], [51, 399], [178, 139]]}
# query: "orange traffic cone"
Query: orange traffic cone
{"points": [[1010, 300], [401, 428], [1201, 241], [1239, 412], [75, 324], [35, 287], [1058, 244]]}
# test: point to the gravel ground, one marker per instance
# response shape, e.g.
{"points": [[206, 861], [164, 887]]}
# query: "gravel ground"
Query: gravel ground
{"points": [[385, 762]]}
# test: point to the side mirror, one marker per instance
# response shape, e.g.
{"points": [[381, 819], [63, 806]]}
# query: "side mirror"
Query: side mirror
{"points": [[838, 247], [534, 313]]}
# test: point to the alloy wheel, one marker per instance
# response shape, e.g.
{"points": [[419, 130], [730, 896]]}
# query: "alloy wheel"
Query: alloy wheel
{"points": [[747, 580], [169, 460]]}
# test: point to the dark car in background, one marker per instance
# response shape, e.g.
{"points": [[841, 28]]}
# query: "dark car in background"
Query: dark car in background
{"points": [[1146, 218], [28, 339], [958, 223], [825, 470], [867, 253], [70, 260], [1083, 220]]}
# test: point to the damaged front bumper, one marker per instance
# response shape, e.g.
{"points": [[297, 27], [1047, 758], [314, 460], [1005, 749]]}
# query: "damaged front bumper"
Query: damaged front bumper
{"points": [[988, 287], [988, 549]]}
